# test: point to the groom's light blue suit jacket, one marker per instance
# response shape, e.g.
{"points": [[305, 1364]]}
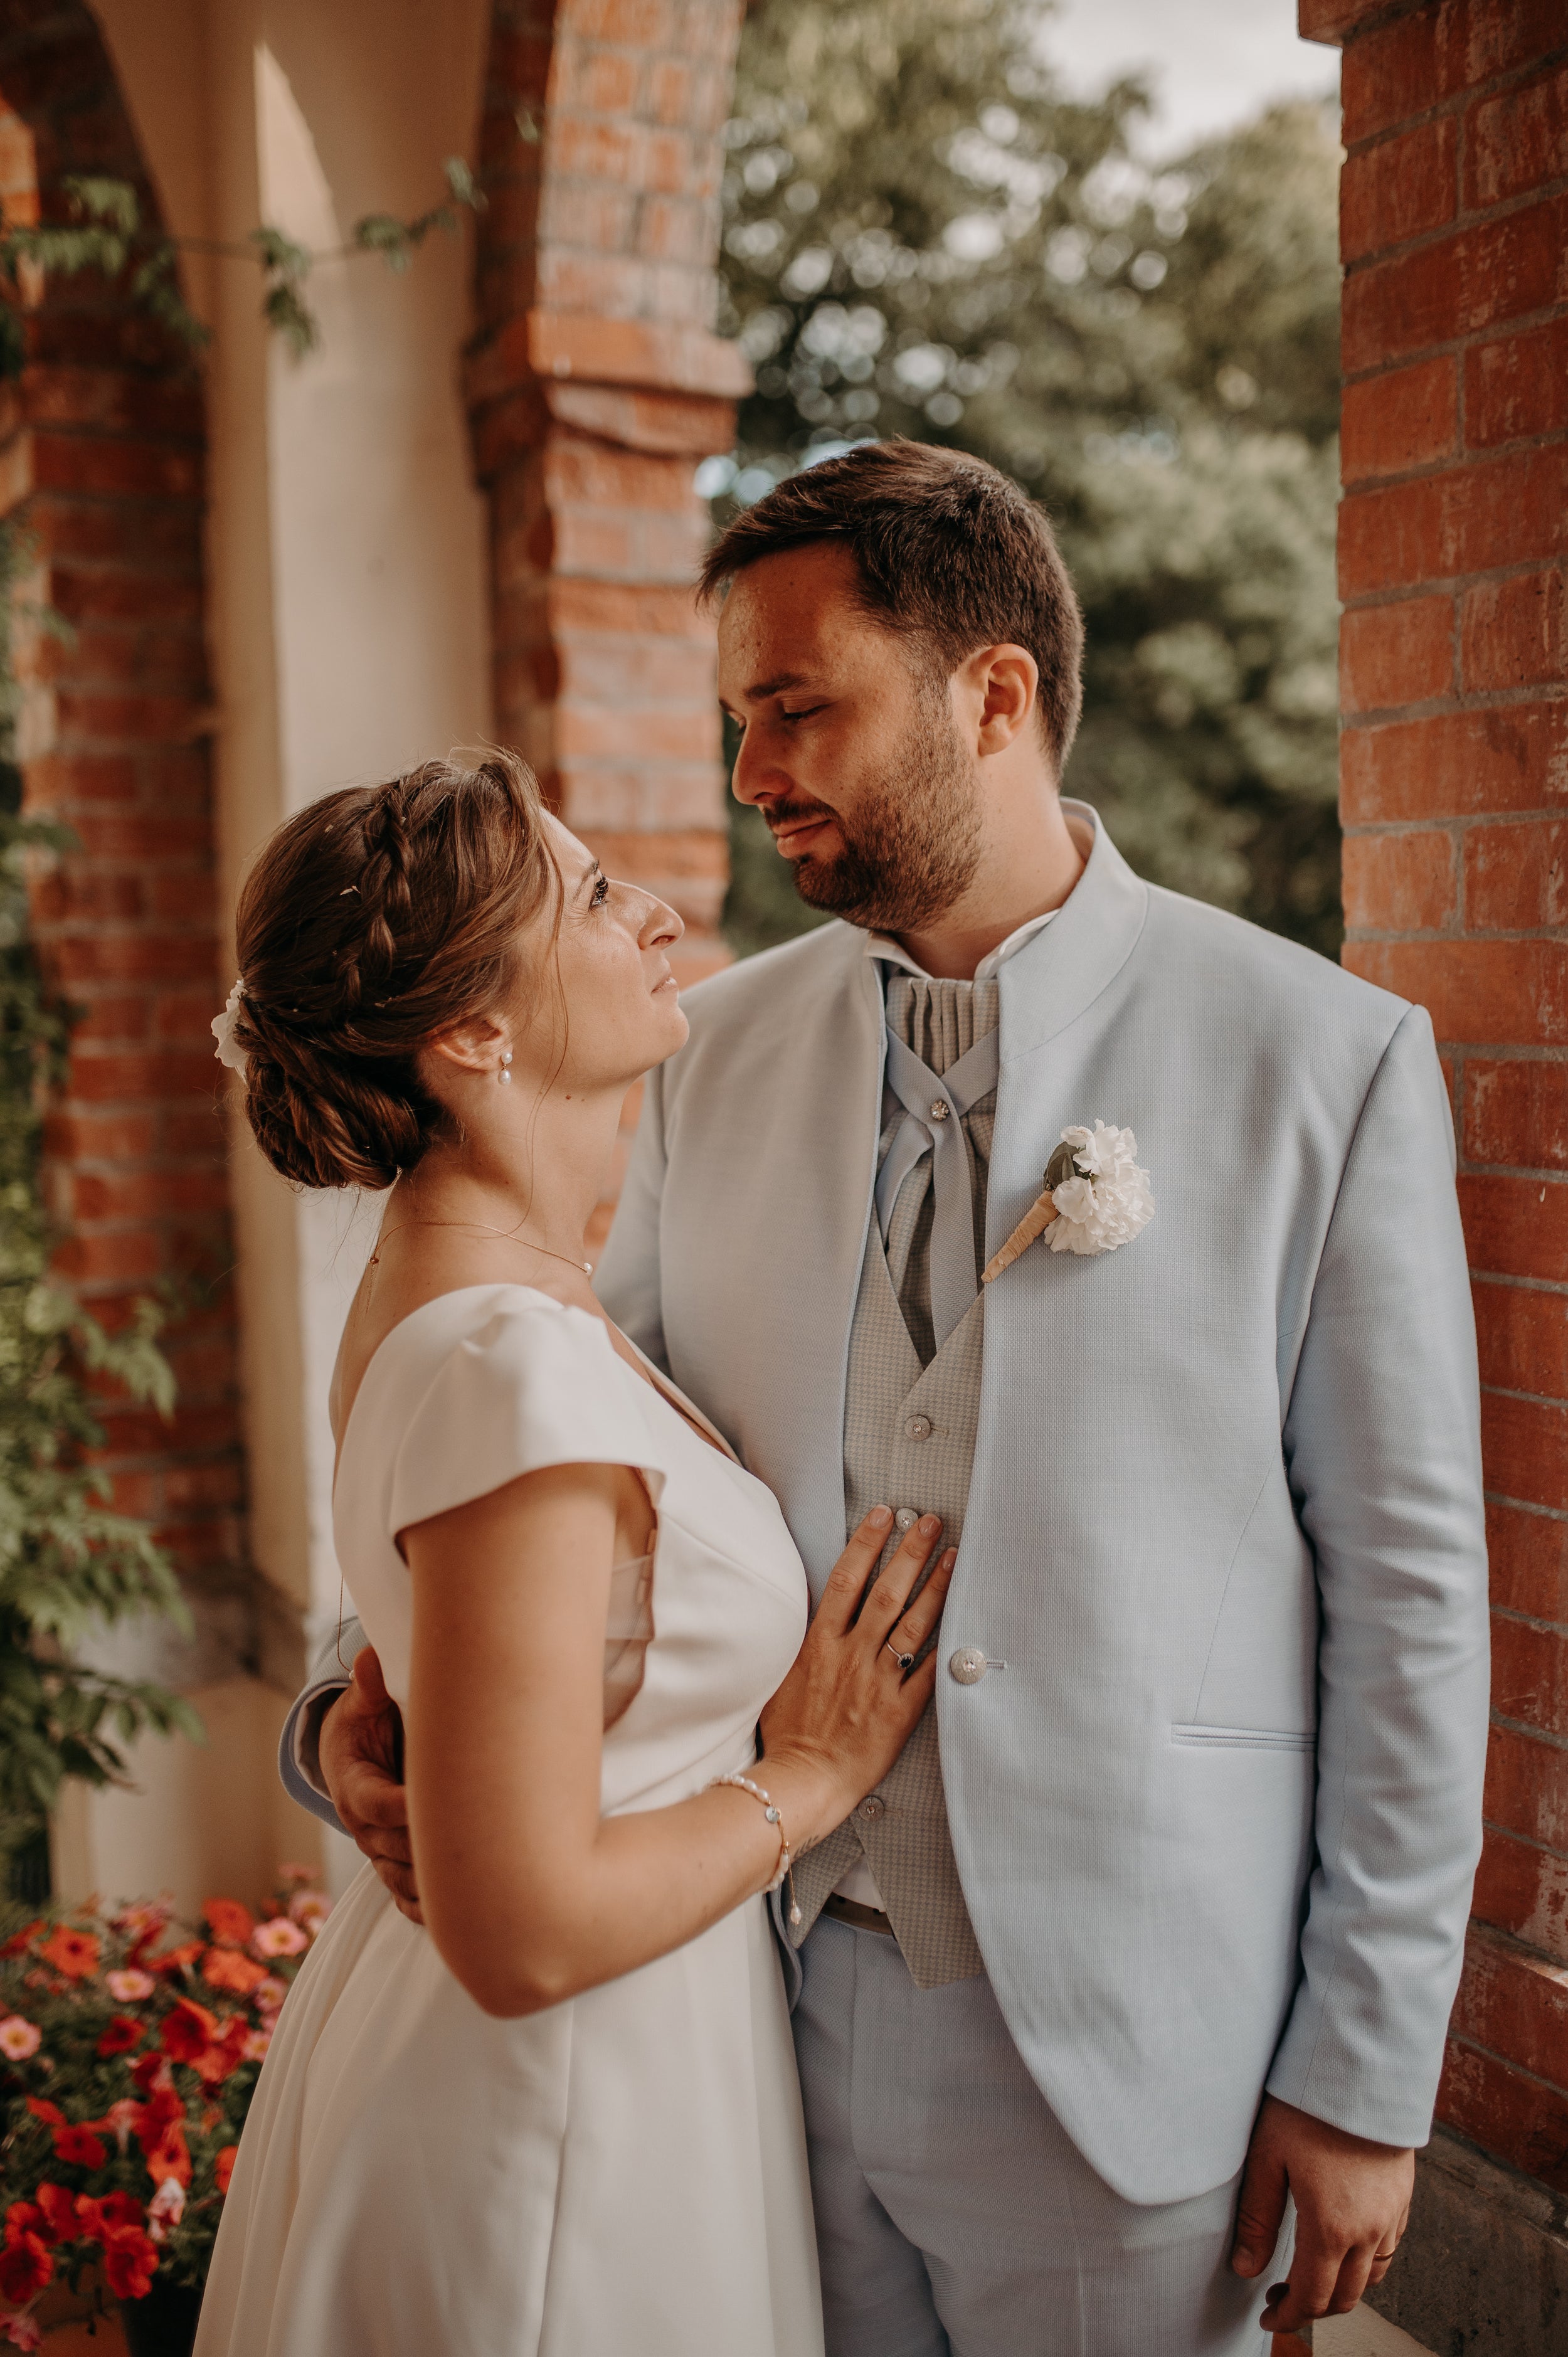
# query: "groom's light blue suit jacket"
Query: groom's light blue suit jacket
{"points": [[1217, 1818]]}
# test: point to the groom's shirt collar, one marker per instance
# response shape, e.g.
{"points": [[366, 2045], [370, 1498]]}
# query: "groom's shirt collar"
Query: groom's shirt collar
{"points": [[892, 952]]}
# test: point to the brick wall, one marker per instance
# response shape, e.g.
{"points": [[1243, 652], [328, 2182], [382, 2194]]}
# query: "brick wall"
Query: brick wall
{"points": [[103, 461], [1454, 569], [595, 384]]}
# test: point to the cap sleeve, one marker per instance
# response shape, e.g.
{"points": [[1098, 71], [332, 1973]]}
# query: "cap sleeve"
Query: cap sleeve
{"points": [[537, 1384]]}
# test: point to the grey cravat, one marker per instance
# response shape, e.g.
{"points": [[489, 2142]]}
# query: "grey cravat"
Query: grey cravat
{"points": [[935, 1106]]}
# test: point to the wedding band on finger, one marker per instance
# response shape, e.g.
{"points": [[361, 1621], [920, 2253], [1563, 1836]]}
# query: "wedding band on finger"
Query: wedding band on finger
{"points": [[905, 1660]]}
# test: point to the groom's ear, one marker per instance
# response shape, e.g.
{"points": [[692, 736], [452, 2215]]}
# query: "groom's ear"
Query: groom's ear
{"points": [[1000, 685]]}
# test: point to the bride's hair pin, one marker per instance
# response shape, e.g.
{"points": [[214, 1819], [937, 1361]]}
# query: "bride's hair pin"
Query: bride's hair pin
{"points": [[503, 1075]]}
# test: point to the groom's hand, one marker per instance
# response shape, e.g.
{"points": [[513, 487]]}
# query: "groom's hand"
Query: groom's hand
{"points": [[361, 1737], [1352, 2200]]}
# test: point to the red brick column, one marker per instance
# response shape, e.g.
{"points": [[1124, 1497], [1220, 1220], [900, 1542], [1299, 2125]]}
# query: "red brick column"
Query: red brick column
{"points": [[103, 461], [1454, 569], [595, 384]]}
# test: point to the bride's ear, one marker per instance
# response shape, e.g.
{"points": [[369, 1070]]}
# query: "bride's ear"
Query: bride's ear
{"points": [[477, 1049]]}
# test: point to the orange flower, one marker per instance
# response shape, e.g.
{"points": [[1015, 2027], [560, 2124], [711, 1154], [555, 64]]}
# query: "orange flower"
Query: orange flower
{"points": [[119, 2034], [25, 2268], [130, 2261], [188, 2031], [226, 1968], [229, 1921], [73, 1955], [223, 2166], [79, 2147]]}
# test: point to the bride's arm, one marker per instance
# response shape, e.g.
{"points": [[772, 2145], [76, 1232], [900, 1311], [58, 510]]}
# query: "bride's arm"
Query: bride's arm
{"points": [[528, 1893]]}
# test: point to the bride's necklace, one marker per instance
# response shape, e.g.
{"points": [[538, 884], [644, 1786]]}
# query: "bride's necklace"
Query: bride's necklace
{"points": [[508, 1235]]}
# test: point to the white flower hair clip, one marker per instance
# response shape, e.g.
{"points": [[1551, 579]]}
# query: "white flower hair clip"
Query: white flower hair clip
{"points": [[223, 1033], [1095, 1197]]}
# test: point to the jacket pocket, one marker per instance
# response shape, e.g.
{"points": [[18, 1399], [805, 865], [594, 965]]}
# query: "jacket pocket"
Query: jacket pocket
{"points": [[1241, 1738]]}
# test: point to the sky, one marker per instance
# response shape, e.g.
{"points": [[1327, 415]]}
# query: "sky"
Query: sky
{"points": [[1212, 62]]}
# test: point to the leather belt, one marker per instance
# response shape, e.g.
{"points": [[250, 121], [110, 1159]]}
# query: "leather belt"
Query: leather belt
{"points": [[850, 1911]]}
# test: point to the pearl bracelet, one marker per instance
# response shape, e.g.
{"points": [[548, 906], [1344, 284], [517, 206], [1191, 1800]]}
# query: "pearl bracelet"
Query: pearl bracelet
{"points": [[770, 1810]]}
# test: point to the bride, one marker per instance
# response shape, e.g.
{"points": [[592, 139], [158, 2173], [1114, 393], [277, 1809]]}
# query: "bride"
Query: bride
{"points": [[560, 2119]]}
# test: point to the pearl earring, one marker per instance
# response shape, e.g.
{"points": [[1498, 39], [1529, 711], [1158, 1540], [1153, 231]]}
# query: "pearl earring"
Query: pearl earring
{"points": [[503, 1076]]}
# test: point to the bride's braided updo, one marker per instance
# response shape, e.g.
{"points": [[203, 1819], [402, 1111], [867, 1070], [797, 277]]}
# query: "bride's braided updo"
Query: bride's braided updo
{"points": [[374, 920]]}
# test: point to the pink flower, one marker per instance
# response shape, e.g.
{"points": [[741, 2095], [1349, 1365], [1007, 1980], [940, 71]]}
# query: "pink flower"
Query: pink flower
{"points": [[254, 2049], [279, 1938], [268, 1995], [19, 2038], [125, 1988], [23, 2330], [309, 1910], [165, 2208]]}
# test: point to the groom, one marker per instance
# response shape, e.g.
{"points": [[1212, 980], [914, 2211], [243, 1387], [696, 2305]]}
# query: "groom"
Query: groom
{"points": [[1157, 1921]]}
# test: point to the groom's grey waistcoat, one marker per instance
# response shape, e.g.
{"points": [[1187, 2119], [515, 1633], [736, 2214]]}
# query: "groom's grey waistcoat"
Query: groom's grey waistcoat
{"points": [[1216, 1821], [909, 1421]]}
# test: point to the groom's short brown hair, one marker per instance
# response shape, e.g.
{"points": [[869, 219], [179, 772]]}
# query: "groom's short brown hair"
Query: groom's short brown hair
{"points": [[949, 551]]}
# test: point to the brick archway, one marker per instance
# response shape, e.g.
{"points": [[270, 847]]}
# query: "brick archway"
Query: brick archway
{"points": [[102, 464]]}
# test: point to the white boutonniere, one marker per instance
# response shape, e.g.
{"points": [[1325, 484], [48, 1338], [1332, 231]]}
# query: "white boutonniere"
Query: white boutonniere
{"points": [[1095, 1197]]}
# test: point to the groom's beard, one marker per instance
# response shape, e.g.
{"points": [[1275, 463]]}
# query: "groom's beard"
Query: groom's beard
{"points": [[915, 843]]}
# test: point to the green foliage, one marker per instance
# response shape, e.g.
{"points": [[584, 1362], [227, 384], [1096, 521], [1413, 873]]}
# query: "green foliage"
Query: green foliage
{"points": [[69, 1564], [925, 236], [105, 234]]}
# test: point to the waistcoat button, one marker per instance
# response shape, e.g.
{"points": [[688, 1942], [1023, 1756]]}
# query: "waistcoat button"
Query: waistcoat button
{"points": [[870, 1810], [907, 1517], [968, 1666], [918, 1427]]}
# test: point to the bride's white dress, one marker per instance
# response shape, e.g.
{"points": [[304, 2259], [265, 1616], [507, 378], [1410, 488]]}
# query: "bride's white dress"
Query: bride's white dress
{"points": [[624, 2175]]}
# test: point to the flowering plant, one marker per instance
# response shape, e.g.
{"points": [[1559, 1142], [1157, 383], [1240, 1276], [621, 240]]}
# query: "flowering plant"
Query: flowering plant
{"points": [[126, 2070]]}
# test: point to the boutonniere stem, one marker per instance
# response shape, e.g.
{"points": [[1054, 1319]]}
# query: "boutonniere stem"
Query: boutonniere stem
{"points": [[1095, 1197]]}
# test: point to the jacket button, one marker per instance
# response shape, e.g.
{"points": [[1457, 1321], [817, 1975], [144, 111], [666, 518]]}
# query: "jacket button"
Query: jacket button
{"points": [[871, 1809], [968, 1666], [918, 1428]]}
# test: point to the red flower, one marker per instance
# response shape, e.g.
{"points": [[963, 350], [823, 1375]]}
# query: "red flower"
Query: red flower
{"points": [[162, 2107], [229, 1921], [170, 2157], [120, 2034], [20, 1942], [188, 2031], [223, 2166], [149, 2072], [79, 2147], [174, 1959], [57, 2207], [73, 1955], [226, 1968], [94, 2219], [24, 2267], [130, 2261], [23, 2218], [51, 2114]]}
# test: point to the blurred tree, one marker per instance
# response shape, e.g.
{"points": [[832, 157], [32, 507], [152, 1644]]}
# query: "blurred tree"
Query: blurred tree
{"points": [[924, 236]]}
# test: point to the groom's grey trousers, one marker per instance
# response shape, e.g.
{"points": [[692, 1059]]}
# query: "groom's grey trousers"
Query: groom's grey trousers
{"points": [[953, 2214]]}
